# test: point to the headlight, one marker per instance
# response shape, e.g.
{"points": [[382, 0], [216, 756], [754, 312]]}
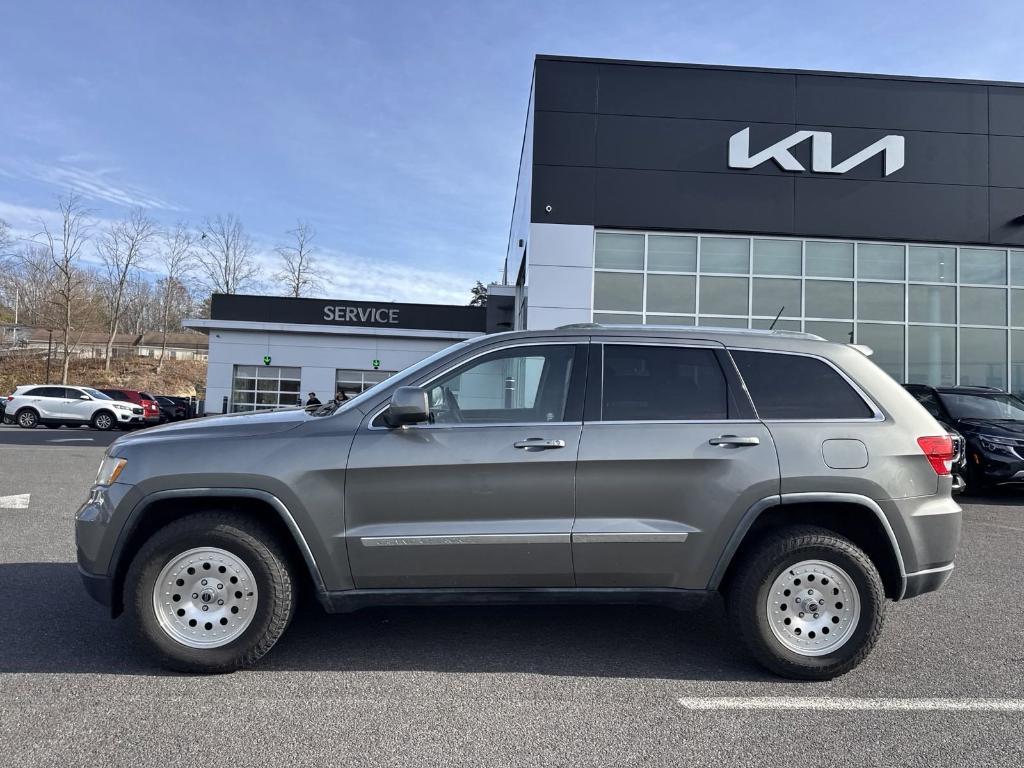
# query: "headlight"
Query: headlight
{"points": [[110, 470], [122, 407], [995, 444]]}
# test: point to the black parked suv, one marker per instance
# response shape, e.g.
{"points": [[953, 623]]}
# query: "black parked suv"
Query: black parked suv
{"points": [[992, 424]]}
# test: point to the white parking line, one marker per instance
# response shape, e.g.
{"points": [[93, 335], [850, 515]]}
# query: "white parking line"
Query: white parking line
{"points": [[789, 703], [18, 501], [71, 440]]}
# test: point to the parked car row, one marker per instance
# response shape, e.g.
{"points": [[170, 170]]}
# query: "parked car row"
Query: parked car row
{"points": [[53, 406]]}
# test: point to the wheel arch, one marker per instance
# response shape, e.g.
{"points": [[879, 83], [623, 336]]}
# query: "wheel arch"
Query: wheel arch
{"points": [[158, 509], [17, 413], [98, 411], [856, 517]]}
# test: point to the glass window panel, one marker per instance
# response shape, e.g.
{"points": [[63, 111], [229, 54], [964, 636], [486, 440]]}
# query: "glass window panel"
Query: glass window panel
{"points": [[619, 251], [266, 385], [840, 332], [723, 295], [983, 357], [826, 259], [671, 293], [880, 262], [1017, 269], [617, 319], [932, 264], [723, 322], [245, 371], [670, 253], [931, 356], [886, 342], [828, 298], [724, 254], [932, 304], [777, 257], [650, 383], [983, 306], [780, 325], [245, 397], [670, 319], [879, 301], [982, 265], [241, 384], [770, 296], [1017, 308], [617, 291], [798, 387], [1017, 350], [507, 386]]}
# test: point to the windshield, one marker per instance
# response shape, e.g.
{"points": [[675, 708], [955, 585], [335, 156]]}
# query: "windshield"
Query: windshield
{"points": [[998, 406], [335, 407], [95, 394]]}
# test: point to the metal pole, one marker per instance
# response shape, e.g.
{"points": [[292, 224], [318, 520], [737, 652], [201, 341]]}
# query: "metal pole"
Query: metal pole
{"points": [[49, 346]]}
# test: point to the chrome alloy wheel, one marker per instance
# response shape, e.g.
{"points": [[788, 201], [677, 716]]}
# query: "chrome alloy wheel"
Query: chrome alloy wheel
{"points": [[205, 598], [104, 422], [813, 607]]}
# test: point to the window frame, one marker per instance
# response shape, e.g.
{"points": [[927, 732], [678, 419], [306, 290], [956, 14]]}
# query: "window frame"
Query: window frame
{"points": [[877, 414], [736, 396]]}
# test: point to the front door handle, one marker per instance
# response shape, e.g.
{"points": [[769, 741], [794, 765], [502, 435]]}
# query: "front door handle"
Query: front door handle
{"points": [[538, 443], [732, 441]]}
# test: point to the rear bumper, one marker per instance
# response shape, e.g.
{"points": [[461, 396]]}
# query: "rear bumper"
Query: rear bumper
{"points": [[926, 581]]}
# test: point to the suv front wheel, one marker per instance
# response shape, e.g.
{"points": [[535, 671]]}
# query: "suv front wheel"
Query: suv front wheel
{"points": [[211, 592], [808, 603]]}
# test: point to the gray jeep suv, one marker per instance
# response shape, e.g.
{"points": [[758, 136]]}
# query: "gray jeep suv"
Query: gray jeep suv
{"points": [[589, 463]]}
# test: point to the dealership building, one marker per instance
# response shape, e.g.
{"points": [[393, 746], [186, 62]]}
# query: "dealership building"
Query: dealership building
{"points": [[885, 211]]}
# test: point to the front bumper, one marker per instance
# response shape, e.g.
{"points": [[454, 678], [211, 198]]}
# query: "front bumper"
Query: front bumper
{"points": [[995, 468], [99, 586]]}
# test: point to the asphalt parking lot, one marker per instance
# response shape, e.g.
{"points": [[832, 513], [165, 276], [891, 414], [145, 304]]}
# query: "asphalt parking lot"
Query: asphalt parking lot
{"points": [[579, 686]]}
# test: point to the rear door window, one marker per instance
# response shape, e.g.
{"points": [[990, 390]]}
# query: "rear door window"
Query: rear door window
{"points": [[662, 383], [785, 386]]}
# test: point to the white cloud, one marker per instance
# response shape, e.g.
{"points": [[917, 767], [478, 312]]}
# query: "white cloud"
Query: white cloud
{"points": [[92, 183]]}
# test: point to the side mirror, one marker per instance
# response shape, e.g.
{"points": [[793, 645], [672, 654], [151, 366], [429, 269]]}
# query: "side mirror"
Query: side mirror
{"points": [[84, 397], [408, 406]]}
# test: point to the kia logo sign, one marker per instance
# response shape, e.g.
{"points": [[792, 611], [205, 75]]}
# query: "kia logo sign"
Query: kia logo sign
{"points": [[339, 313], [890, 147]]}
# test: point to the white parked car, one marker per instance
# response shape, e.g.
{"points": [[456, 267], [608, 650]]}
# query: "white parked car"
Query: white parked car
{"points": [[54, 406]]}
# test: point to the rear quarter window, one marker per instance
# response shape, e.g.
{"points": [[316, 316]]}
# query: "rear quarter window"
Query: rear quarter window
{"points": [[785, 386]]}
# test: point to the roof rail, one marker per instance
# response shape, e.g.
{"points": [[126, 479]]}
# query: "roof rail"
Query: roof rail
{"points": [[690, 329]]}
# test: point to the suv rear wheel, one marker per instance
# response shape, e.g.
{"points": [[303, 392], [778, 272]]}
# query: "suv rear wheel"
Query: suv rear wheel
{"points": [[211, 592], [27, 418], [808, 603]]}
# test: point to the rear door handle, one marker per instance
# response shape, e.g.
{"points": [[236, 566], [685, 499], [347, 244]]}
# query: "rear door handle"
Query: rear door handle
{"points": [[733, 441], [538, 443]]}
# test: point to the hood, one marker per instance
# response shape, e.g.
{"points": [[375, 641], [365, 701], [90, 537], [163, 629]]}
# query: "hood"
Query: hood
{"points": [[231, 425], [994, 427]]}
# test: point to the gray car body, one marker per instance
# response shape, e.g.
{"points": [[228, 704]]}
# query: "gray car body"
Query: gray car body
{"points": [[625, 511]]}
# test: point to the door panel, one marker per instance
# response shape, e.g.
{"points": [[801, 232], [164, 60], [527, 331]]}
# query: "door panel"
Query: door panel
{"points": [[483, 496], [664, 500], [460, 507], [670, 459], [76, 409]]}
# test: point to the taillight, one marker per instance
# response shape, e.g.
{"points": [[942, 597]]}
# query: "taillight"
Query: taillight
{"points": [[939, 452]]}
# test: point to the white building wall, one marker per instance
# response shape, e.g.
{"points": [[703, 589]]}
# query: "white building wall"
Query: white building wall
{"points": [[559, 275], [319, 355]]}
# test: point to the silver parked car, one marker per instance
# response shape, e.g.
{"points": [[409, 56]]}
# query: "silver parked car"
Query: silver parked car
{"points": [[588, 463]]}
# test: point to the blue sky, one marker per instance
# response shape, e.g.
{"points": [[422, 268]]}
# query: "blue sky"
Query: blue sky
{"points": [[393, 127]]}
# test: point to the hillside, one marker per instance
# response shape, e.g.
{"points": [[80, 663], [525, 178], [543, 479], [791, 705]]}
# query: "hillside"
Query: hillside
{"points": [[177, 377]]}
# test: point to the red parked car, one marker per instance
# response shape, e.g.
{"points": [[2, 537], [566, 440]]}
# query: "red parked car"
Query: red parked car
{"points": [[150, 407]]}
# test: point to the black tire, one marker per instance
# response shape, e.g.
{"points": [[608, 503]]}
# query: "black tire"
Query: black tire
{"points": [[748, 592], [104, 421], [243, 538], [27, 418]]}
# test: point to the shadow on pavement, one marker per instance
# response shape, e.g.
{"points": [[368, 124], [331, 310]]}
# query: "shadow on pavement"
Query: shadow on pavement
{"points": [[51, 625]]}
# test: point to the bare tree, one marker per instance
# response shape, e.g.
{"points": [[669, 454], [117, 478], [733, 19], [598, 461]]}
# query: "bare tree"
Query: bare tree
{"points": [[63, 252], [123, 247], [177, 257], [225, 257], [299, 272]]}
